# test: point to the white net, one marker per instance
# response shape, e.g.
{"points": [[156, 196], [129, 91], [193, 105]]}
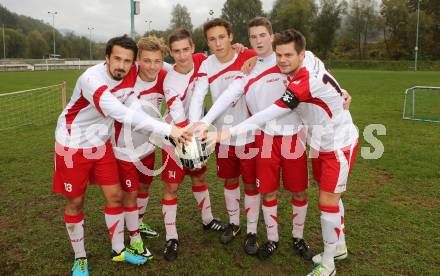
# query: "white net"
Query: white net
{"points": [[421, 103], [37, 106]]}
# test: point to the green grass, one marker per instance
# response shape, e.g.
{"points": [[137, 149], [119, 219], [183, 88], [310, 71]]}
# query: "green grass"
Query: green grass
{"points": [[392, 203]]}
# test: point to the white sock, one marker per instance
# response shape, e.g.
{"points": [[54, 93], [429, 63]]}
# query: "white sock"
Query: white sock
{"points": [[142, 202], [232, 198], [169, 210], [201, 194], [299, 213], [331, 229], [114, 218], [252, 207], [75, 229], [271, 219], [341, 242], [132, 223]]}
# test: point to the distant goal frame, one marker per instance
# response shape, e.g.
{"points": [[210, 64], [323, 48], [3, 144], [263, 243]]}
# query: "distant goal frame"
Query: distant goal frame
{"points": [[410, 92]]}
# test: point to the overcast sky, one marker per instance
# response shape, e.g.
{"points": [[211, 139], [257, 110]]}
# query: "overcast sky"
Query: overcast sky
{"points": [[112, 17]]}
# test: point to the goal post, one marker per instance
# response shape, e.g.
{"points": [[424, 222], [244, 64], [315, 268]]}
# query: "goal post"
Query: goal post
{"points": [[37, 106], [421, 103]]}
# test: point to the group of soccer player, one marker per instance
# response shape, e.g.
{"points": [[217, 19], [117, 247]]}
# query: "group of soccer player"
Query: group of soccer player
{"points": [[267, 105]]}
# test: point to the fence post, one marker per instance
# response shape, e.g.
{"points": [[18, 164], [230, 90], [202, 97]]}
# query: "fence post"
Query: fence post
{"points": [[63, 95]]}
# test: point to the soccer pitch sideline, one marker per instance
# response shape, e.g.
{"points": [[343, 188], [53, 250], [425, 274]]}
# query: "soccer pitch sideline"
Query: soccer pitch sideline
{"points": [[392, 203]]}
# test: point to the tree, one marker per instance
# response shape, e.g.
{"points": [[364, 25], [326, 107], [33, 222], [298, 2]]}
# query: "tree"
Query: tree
{"points": [[362, 23], [180, 18], [293, 14], [326, 25], [15, 44], [198, 37], [37, 46], [395, 17], [239, 13]]}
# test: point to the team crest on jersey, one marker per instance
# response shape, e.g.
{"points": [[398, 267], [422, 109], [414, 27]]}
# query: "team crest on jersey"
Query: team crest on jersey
{"points": [[296, 82]]}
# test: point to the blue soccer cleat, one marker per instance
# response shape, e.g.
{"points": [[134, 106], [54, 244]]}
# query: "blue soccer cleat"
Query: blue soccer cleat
{"points": [[80, 267]]}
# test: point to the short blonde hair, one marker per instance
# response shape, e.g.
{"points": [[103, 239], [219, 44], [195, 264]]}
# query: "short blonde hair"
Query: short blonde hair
{"points": [[152, 44]]}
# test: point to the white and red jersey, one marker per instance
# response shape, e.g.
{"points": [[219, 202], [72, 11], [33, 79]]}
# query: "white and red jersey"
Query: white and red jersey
{"points": [[216, 77], [96, 102], [261, 88], [178, 90], [317, 98], [130, 145], [265, 85], [330, 126]]}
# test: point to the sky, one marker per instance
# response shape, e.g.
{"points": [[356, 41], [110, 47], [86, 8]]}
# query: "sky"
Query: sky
{"points": [[112, 17]]}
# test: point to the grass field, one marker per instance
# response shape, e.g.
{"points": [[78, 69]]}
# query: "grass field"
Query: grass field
{"points": [[392, 203]]}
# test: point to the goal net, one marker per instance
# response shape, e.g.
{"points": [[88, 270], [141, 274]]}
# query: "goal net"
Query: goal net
{"points": [[36, 106], [421, 103]]}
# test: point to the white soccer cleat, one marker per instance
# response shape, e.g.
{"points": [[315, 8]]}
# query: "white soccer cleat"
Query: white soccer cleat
{"points": [[341, 254]]}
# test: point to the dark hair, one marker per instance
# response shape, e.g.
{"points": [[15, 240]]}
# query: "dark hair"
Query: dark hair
{"points": [[215, 23], [179, 34], [261, 21], [290, 36], [125, 42]]}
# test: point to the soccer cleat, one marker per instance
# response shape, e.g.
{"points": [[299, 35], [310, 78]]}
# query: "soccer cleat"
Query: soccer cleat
{"points": [[231, 231], [215, 224], [146, 230], [80, 267], [267, 250], [129, 255], [139, 248], [250, 244], [322, 270], [302, 248], [341, 254], [170, 252]]}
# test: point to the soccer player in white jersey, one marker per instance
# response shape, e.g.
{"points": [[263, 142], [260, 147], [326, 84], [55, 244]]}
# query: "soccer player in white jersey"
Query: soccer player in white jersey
{"points": [[277, 145], [178, 87], [332, 137], [134, 152], [234, 157], [83, 152]]}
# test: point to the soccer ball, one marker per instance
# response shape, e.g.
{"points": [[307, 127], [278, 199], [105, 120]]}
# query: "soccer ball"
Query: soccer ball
{"points": [[193, 154]]}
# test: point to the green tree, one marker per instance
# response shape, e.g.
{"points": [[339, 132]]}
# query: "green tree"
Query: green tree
{"points": [[199, 40], [37, 46], [16, 44], [293, 14], [239, 13], [362, 21], [180, 18], [326, 25]]}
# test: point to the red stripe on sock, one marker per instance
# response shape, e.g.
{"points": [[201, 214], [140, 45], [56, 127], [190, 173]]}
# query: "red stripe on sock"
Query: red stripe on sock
{"points": [[132, 233], [142, 195], [329, 209], [231, 186], [198, 189], [270, 203], [169, 201], [299, 203], [73, 219], [131, 209], [113, 211], [251, 192]]}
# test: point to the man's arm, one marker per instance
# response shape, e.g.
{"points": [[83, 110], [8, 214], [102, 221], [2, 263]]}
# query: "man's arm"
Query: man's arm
{"points": [[228, 97], [103, 100], [175, 106], [198, 97]]}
